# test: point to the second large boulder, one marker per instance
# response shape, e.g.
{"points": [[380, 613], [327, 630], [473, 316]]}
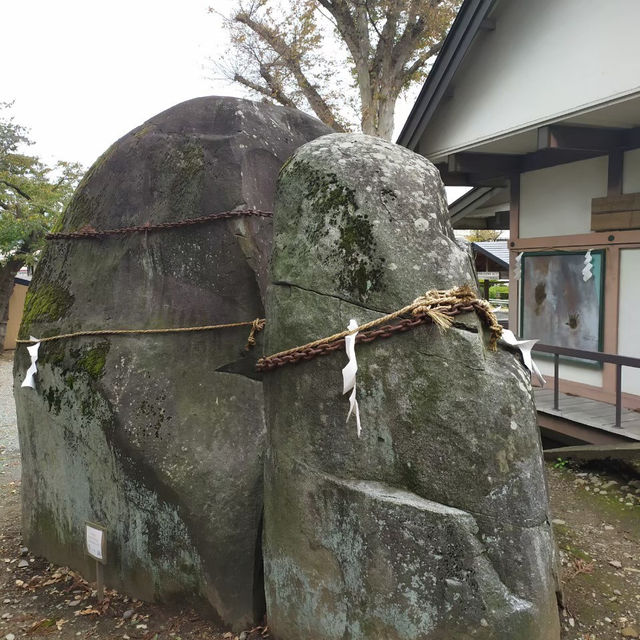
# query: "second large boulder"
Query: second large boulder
{"points": [[433, 524], [158, 437]]}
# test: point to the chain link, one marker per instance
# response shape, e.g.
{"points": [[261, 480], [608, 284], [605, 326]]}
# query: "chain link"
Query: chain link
{"points": [[385, 331], [89, 232], [298, 355]]}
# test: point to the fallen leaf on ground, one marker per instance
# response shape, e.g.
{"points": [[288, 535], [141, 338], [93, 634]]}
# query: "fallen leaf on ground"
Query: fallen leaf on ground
{"points": [[45, 623]]}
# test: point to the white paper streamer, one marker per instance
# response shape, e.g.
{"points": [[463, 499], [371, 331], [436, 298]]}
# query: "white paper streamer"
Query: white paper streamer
{"points": [[29, 379], [525, 347], [517, 270], [349, 374], [588, 266]]}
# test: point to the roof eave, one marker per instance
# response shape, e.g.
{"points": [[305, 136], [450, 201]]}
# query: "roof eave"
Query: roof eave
{"points": [[492, 256], [456, 44]]}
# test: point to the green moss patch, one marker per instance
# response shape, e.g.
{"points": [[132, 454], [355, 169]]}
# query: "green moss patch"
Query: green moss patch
{"points": [[565, 540], [46, 303], [52, 353], [81, 208], [144, 130], [334, 207], [92, 360]]}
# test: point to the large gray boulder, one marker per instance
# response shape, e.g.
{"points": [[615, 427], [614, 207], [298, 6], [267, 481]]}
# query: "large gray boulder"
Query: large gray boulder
{"points": [[160, 438], [434, 523]]}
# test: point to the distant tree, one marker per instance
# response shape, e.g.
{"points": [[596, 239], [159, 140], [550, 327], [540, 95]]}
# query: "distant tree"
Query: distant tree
{"points": [[32, 198], [482, 235], [344, 60]]}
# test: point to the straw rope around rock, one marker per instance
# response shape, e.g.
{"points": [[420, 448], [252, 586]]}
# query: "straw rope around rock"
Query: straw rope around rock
{"points": [[256, 325], [89, 232], [436, 306]]}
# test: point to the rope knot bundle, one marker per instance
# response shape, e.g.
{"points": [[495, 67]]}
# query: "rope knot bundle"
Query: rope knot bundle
{"points": [[437, 304], [257, 325]]}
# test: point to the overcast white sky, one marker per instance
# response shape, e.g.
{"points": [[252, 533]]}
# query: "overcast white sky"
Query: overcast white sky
{"points": [[83, 73]]}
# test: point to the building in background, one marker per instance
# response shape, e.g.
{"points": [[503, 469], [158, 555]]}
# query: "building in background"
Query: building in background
{"points": [[16, 307], [491, 258], [536, 105]]}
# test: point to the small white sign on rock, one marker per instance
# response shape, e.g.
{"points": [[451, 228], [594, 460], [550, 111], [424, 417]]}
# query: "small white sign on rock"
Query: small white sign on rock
{"points": [[96, 542]]}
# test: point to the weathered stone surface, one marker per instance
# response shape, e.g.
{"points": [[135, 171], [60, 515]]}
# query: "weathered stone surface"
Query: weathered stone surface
{"points": [[160, 438], [449, 461]]}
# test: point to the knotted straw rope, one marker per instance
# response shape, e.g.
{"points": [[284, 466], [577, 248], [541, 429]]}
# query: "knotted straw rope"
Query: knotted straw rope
{"points": [[438, 305], [89, 232], [256, 326]]}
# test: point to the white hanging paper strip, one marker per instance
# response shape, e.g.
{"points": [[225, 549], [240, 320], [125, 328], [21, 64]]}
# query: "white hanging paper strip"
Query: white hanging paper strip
{"points": [[588, 266], [29, 379], [525, 347], [517, 271], [349, 374]]}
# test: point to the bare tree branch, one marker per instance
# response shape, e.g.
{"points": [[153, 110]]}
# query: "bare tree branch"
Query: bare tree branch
{"points": [[350, 28], [290, 59], [382, 58], [371, 19], [327, 16], [422, 60], [354, 30], [276, 87], [17, 189], [269, 91], [252, 85]]}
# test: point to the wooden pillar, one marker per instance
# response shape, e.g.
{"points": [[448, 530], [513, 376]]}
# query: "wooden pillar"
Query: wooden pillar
{"points": [[514, 234], [612, 277], [614, 174]]}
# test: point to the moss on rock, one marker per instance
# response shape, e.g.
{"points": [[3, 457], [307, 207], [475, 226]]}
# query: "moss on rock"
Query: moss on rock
{"points": [[92, 361], [336, 209], [47, 303], [80, 211], [130, 423], [447, 467]]}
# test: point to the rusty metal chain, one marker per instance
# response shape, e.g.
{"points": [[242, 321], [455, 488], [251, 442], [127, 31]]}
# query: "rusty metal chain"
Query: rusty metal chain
{"points": [[385, 331], [89, 232], [304, 353]]}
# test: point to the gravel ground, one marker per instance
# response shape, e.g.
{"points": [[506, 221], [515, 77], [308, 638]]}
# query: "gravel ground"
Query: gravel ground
{"points": [[8, 430], [596, 521]]}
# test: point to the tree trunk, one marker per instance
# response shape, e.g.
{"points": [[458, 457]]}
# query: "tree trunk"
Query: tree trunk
{"points": [[377, 115], [7, 274], [386, 111], [367, 111]]}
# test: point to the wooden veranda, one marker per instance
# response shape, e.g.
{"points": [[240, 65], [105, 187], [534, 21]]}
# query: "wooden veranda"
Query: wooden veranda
{"points": [[569, 419]]}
